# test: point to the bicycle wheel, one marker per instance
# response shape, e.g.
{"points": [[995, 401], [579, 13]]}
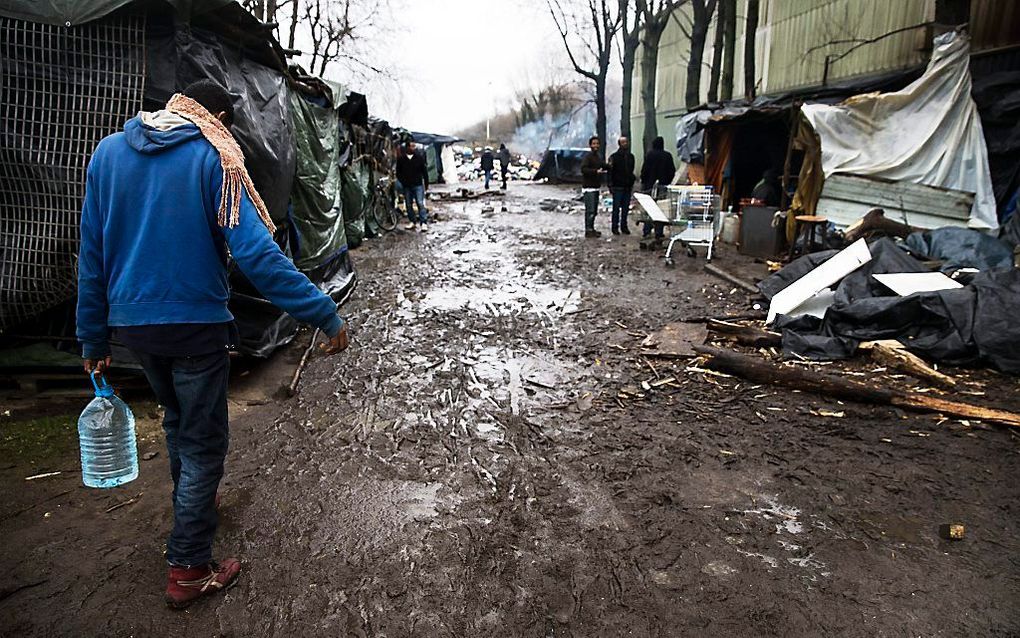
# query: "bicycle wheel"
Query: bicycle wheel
{"points": [[385, 215]]}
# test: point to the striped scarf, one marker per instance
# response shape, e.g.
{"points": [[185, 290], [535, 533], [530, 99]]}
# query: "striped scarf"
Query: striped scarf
{"points": [[235, 176]]}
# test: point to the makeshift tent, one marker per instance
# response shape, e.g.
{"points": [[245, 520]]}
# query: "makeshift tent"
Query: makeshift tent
{"points": [[317, 199], [89, 78], [927, 133], [561, 165], [433, 145]]}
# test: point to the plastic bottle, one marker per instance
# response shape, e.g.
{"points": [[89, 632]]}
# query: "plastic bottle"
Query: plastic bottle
{"points": [[106, 432]]}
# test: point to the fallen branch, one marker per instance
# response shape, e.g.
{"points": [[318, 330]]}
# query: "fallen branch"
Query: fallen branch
{"points": [[733, 279], [762, 371], [746, 335], [292, 388], [893, 354]]}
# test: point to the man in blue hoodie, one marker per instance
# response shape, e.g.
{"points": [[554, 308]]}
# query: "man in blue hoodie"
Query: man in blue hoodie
{"points": [[164, 201]]}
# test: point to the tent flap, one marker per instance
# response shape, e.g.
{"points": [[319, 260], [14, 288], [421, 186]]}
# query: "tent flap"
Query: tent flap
{"points": [[928, 133]]}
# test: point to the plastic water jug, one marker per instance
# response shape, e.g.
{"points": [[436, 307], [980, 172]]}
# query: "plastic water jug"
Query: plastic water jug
{"points": [[106, 432]]}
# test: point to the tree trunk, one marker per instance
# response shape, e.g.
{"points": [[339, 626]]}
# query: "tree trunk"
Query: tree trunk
{"points": [[293, 24], [271, 11], [600, 112], [750, 35], [649, 77], [728, 22], [717, 53], [699, 33], [629, 55]]}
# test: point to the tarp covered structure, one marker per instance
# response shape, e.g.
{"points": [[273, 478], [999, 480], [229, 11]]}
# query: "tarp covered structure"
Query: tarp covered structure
{"points": [[89, 79], [927, 133], [434, 145], [561, 165]]}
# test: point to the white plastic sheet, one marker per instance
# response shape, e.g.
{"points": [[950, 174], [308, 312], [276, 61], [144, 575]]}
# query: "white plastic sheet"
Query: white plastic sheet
{"points": [[928, 133], [449, 165]]}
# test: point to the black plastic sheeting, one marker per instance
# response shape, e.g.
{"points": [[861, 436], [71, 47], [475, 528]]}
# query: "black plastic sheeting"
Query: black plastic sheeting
{"points": [[976, 324], [179, 55], [997, 96], [561, 165], [961, 248]]}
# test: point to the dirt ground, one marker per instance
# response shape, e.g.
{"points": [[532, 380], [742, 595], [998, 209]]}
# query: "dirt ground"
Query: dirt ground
{"points": [[467, 468]]}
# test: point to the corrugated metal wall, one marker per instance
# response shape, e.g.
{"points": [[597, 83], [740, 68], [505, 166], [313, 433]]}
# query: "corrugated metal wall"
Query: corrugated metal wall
{"points": [[795, 36]]}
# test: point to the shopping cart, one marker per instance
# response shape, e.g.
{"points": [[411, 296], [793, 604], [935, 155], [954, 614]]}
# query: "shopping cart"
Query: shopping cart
{"points": [[695, 210]]}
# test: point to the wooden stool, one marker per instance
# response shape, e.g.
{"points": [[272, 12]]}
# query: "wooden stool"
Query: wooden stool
{"points": [[805, 225]]}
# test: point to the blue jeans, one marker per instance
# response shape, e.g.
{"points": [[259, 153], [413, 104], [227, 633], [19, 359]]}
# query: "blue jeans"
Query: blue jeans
{"points": [[621, 206], [414, 194], [488, 177], [193, 393], [591, 208]]}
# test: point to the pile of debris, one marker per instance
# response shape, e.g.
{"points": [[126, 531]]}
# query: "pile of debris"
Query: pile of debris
{"points": [[944, 296], [469, 165]]}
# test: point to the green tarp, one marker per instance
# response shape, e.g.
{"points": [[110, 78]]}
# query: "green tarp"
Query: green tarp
{"points": [[358, 184], [317, 194]]}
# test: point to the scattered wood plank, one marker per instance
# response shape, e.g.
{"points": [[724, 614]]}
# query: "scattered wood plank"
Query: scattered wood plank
{"points": [[831, 386], [893, 354], [746, 335], [675, 340], [733, 279]]}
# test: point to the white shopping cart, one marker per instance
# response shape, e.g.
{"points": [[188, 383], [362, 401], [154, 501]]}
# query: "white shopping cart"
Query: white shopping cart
{"points": [[694, 214]]}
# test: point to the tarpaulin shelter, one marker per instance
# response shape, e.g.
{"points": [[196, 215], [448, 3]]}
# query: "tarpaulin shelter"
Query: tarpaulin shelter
{"points": [[928, 133], [437, 153], [561, 165], [73, 72]]}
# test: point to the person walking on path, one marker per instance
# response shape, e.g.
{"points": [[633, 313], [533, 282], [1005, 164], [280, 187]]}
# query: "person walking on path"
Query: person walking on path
{"points": [[657, 172], [593, 169], [621, 184], [413, 175], [504, 163], [488, 163], [164, 201]]}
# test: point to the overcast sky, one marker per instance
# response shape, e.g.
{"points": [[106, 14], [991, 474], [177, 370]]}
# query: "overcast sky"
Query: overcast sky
{"points": [[460, 60]]}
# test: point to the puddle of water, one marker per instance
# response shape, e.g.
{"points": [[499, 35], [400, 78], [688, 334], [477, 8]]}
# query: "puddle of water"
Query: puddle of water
{"points": [[507, 299], [787, 516]]}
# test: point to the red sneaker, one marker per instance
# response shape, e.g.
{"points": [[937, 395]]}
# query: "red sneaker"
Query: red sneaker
{"points": [[186, 585]]}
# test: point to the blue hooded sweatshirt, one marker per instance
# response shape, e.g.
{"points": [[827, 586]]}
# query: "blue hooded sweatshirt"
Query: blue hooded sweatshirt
{"points": [[152, 251]]}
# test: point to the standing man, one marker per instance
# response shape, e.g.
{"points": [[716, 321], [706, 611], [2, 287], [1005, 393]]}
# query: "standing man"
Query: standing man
{"points": [[413, 174], [621, 183], [488, 164], [504, 162], [164, 201], [592, 171], [657, 171]]}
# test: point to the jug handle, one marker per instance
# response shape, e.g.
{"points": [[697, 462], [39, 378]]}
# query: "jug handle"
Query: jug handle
{"points": [[103, 388]]}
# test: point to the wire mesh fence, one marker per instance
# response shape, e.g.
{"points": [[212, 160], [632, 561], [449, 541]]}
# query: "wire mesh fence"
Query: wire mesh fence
{"points": [[62, 89]]}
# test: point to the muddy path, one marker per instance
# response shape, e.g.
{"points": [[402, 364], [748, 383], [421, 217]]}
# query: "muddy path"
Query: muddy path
{"points": [[468, 468]]}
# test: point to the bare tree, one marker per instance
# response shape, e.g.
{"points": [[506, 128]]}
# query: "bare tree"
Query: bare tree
{"points": [[750, 35], [655, 16], [727, 23], [630, 37], [702, 17], [589, 28], [717, 52]]}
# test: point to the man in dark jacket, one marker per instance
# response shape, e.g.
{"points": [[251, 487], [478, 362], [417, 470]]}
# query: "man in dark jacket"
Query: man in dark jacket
{"points": [[504, 162], [621, 183], [488, 163], [593, 169], [164, 201], [413, 175], [768, 190], [657, 172]]}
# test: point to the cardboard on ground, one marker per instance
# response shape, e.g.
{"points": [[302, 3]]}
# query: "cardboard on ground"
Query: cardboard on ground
{"points": [[651, 208], [831, 271], [907, 283]]}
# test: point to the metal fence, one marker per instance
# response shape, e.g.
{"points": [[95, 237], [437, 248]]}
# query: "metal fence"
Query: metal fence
{"points": [[62, 89]]}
